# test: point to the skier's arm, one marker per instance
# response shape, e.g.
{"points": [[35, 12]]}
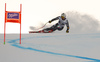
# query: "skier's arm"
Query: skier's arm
{"points": [[54, 19]]}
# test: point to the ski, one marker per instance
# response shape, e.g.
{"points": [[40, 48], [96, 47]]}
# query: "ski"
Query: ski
{"points": [[41, 31]]}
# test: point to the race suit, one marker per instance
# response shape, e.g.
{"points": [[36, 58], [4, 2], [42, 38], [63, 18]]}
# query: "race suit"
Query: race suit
{"points": [[60, 25]]}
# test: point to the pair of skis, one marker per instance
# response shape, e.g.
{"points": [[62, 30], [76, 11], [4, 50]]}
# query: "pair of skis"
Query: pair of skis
{"points": [[41, 31]]}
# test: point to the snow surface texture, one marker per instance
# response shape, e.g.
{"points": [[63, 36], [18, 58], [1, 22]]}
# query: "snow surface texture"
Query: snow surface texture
{"points": [[51, 47]]}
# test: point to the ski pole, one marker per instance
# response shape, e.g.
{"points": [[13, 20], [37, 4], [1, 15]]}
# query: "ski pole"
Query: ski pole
{"points": [[32, 28], [43, 26]]}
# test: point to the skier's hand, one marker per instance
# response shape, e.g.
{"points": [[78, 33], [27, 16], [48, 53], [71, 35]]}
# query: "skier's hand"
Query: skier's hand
{"points": [[67, 31], [50, 21]]}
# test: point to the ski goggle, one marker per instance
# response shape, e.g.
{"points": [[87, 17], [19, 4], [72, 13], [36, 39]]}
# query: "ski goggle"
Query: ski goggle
{"points": [[62, 17]]}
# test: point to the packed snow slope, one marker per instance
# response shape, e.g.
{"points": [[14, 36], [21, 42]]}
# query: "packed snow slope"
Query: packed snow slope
{"points": [[50, 47]]}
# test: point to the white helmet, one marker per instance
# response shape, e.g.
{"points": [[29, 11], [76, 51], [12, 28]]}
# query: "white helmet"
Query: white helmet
{"points": [[63, 15]]}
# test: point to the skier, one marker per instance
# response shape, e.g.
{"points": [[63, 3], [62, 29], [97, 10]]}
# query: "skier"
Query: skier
{"points": [[60, 25]]}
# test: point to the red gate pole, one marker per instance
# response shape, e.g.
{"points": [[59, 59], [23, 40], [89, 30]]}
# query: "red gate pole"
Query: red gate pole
{"points": [[20, 21], [5, 24]]}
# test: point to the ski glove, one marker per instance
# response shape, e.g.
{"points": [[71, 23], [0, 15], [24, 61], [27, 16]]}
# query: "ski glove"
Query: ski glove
{"points": [[67, 31], [50, 21]]}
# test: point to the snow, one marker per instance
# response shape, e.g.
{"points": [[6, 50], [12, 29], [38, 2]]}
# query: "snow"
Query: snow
{"points": [[51, 47]]}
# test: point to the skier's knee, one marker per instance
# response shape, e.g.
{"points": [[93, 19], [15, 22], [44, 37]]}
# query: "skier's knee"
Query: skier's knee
{"points": [[59, 29]]}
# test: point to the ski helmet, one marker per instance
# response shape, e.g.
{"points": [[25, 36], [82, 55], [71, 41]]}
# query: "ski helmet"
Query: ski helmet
{"points": [[63, 15]]}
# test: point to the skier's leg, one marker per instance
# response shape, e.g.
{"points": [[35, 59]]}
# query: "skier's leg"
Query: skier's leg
{"points": [[60, 28], [47, 29], [52, 28]]}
